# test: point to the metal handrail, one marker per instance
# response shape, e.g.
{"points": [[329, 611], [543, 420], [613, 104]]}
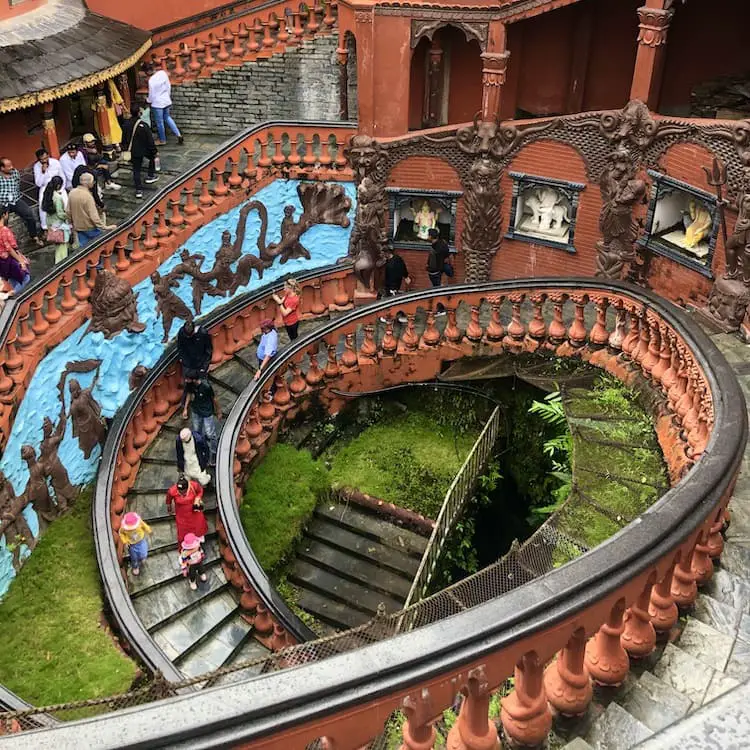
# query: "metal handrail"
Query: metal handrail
{"points": [[458, 493]]}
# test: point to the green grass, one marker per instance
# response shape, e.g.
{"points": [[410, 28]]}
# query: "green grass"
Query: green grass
{"points": [[55, 647], [279, 498], [408, 460]]}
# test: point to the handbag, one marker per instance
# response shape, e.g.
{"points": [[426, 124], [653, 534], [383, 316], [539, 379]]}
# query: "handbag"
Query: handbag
{"points": [[56, 236], [127, 156]]}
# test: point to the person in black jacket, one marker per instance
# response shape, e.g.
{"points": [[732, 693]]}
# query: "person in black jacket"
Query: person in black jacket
{"points": [[194, 349], [138, 139], [396, 271], [437, 258]]}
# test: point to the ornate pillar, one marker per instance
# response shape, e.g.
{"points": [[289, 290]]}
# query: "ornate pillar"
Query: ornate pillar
{"points": [[654, 18], [494, 67], [124, 87], [49, 132], [434, 85], [342, 56], [102, 120]]}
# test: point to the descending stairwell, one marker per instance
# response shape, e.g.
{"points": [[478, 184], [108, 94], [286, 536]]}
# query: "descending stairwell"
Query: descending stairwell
{"points": [[199, 631], [350, 561]]}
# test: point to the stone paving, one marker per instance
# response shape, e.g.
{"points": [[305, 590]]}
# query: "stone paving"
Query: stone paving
{"points": [[120, 205]]}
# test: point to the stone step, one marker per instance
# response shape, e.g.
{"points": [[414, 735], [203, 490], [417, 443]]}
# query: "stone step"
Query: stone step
{"points": [[167, 602], [214, 651], [577, 744], [730, 589], [706, 644], [179, 636], [655, 703], [249, 650], [338, 615], [684, 673], [616, 729], [736, 560], [722, 617], [355, 545], [372, 526], [336, 588], [233, 375]]}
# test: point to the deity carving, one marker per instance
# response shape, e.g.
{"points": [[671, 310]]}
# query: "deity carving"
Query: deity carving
{"points": [[738, 245], [482, 232], [369, 235], [65, 492], [547, 212], [13, 524], [36, 490], [424, 220], [113, 306], [488, 138], [168, 305], [621, 189], [84, 411]]}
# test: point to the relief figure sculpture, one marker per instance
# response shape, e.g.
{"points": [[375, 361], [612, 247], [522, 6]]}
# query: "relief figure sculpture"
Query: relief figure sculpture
{"points": [[36, 488], [65, 492], [13, 524], [113, 306]]}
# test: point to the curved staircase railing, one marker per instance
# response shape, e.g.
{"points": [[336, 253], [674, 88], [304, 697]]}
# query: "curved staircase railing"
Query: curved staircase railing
{"points": [[50, 308], [655, 560]]}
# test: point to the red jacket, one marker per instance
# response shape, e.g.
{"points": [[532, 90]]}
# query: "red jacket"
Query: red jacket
{"points": [[189, 521]]}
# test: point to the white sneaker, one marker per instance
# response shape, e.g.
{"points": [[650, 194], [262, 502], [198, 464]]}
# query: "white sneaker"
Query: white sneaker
{"points": [[151, 180], [112, 186], [204, 577], [193, 585]]}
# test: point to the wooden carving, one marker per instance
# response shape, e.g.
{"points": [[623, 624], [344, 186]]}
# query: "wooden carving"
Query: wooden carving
{"points": [[482, 232]]}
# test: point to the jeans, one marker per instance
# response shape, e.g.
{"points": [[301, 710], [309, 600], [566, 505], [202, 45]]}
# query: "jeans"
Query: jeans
{"points": [[194, 571], [22, 209], [138, 553], [436, 279], [137, 165], [161, 115], [207, 427], [86, 235], [18, 285]]}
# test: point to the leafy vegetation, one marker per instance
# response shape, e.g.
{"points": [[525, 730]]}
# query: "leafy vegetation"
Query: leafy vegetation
{"points": [[408, 459], [279, 498], [56, 647]]}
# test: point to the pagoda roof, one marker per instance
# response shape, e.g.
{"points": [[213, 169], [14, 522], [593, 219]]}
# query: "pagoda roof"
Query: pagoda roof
{"points": [[43, 63]]}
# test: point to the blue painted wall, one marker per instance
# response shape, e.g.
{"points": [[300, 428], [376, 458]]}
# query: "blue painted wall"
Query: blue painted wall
{"points": [[122, 353]]}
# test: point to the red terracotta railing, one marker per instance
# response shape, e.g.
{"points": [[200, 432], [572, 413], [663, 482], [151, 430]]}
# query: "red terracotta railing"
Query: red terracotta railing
{"points": [[257, 34], [601, 610], [54, 306]]}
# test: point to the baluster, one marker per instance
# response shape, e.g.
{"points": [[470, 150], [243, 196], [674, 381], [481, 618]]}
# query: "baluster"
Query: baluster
{"points": [[176, 220], [417, 730], [122, 263], [282, 35], [253, 427], [430, 335], [388, 345], [654, 347], [254, 46], [312, 18], [368, 349], [136, 254], [577, 332], [641, 351], [473, 729], [599, 336], [349, 357], [537, 329], [314, 374], [13, 360], [557, 332], [516, 333], [684, 590], [220, 189], [6, 382], [267, 38], [341, 161], [267, 410], [451, 332], [669, 377], [52, 314], [525, 714], [190, 210], [205, 198], [179, 68], [278, 158], [662, 608], [331, 371], [473, 329], [40, 325], [149, 242], [606, 659], [208, 59], [235, 179], [243, 447], [702, 566], [567, 682], [639, 636], [194, 66], [223, 55], [297, 30], [318, 306], [294, 157], [162, 230], [341, 299], [160, 403], [324, 159], [68, 303], [237, 50], [282, 397], [630, 342], [715, 542], [665, 356], [328, 19], [678, 390], [82, 291], [409, 337], [617, 336], [309, 159], [297, 384]]}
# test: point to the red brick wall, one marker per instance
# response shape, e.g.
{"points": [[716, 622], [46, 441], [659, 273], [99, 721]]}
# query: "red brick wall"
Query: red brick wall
{"points": [[516, 258]]}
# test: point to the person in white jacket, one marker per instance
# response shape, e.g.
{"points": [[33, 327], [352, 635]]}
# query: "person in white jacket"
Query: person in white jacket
{"points": [[45, 168], [69, 160], [160, 99]]}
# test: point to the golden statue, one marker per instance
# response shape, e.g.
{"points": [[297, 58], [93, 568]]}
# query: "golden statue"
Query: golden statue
{"points": [[700, 226], [424, 220]]}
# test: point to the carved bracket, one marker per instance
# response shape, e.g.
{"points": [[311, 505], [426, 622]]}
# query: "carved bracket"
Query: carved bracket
{"points": [[421, 28]]}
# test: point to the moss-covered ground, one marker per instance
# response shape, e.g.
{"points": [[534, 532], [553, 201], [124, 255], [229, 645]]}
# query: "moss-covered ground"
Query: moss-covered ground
{"points": [[55, 646]]}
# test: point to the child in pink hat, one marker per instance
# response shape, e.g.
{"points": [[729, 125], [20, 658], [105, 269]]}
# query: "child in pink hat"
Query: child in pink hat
{"points": [[191, 560], [133, 530]]}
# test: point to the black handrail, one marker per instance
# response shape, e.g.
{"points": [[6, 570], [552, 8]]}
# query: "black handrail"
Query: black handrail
{"points": [[121, 606], [9, 701], [8, 313], [233, 714]]}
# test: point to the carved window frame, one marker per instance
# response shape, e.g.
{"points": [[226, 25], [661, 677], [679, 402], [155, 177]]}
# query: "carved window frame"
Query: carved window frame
{"points": [[571, 190], [448, 197], [659, 246]]}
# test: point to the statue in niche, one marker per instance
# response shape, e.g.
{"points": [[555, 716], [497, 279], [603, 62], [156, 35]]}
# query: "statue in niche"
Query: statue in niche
{"points": [[13, 524], [113, 306], [621, 190], [65, 492], [548, 212], [85, 412], [482, 232], [168, 305], [698, 222], [36, 490], [424, 220]]}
